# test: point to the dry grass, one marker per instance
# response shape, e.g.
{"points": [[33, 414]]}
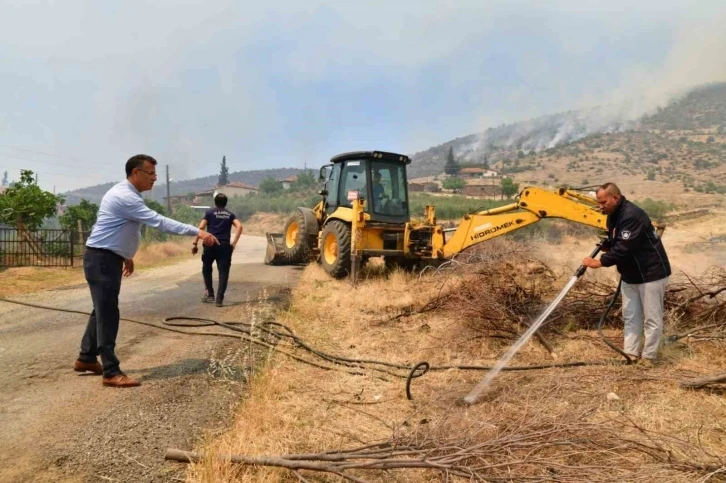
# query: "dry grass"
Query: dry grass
{"points": [[25, 280], [261, 223], [595, 423], [165, 253]]}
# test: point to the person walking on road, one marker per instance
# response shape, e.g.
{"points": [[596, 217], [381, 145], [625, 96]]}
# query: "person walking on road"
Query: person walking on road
{"points": [[219, 221], [634, 247], [109, 255]]}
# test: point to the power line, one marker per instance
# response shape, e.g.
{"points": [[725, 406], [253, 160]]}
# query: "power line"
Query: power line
{"points": [[75, 176], [42, 153], [39, 161]]}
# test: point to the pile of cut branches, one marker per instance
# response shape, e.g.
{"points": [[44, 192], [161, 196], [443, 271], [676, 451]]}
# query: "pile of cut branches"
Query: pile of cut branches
{"points": [[500, 289], [535, 447]]}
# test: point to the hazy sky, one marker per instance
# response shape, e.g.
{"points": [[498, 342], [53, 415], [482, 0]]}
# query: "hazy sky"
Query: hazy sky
{"points": [[86, 84]]}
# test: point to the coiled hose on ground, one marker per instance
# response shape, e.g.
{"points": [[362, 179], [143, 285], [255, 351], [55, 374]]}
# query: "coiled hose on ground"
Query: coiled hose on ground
{"points": [[269, 334]]}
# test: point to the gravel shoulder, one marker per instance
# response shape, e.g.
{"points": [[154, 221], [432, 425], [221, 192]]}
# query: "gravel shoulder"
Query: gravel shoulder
{"points": [[57, 425]]}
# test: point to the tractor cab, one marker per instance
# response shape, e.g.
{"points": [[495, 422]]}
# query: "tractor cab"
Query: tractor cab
{"points": [[377, 177]]}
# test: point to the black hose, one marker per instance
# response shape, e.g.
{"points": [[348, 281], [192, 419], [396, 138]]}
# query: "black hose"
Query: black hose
{"points": [[287, 333], [412, 375]]}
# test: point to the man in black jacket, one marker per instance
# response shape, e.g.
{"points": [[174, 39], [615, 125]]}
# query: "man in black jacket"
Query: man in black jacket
{"points": [[635, 249]]}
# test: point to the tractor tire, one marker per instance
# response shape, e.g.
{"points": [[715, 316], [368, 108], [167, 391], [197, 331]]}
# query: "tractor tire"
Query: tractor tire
{"points": [[296, 242], [405, 264], [335, 249]]}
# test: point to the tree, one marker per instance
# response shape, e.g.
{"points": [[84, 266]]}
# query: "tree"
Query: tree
{"points": [[451, 167], [5, 179], [223, 173], [509, 187], [85, 211], [25, 205], [156, 206], [270, 186], [146, 233], [304, 180], [186, 214], [453, 183]]}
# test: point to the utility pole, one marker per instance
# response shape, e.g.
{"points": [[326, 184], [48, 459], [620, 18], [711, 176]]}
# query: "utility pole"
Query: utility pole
{"points": [[168, 191]]}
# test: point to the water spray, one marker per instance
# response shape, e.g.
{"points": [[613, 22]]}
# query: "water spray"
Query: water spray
{"points": [[483, 385]]}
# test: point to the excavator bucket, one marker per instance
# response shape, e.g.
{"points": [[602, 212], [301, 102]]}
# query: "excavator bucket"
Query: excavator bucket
{"points": [[275, 254]]}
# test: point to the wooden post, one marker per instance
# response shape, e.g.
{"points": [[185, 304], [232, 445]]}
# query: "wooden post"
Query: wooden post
{"points": [[80, 232], [80, 239], [168, 192]]}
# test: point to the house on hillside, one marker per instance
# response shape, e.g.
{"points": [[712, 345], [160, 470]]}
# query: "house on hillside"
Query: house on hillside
{"points": [[206, 197], [287, 182], [179, 200], [236, 189], [3, 189], [476, 173]]}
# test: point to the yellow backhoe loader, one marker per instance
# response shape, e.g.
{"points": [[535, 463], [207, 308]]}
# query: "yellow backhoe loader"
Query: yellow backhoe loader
{"points": [[364, 212]]}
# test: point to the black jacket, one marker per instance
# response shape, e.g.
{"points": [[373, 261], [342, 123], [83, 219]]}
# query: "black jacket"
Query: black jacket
{"points": [[633, 246]]}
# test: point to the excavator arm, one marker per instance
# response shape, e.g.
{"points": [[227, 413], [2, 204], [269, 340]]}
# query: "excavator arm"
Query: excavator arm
{"points": [[532, 205]]}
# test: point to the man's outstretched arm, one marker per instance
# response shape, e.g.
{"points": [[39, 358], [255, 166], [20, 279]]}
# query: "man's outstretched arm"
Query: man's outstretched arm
{"points": [[137, 211]]}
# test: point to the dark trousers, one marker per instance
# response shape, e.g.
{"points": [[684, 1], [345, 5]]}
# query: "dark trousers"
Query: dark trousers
{"points": [[103, 270], [222, 254]]}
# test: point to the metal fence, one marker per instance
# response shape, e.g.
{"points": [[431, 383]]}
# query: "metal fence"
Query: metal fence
{"points": [[40, 248]]}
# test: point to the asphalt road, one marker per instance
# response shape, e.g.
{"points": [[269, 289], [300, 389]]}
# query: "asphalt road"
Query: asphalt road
{"points": [[57, 425]]}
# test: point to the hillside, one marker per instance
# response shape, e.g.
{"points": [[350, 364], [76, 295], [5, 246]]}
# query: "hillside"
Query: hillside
{"points": [[677, 151], [677, 154], [509, 140], [95, 193], [647, 163]]}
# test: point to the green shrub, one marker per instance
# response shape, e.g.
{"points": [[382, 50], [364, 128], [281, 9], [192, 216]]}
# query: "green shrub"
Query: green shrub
{"points": [[450, 207], [282, 202], [453, 183], [656, 210]]}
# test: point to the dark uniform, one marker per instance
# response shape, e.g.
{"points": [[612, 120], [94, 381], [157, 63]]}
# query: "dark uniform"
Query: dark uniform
{"points": [[634, 247], [219, 223]]}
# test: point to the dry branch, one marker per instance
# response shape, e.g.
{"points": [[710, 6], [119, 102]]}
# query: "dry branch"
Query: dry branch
{"points": [[532, 447], [704, 381]]}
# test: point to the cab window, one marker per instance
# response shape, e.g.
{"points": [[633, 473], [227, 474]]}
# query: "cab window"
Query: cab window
{"points": [[388, 189], [353, 183]]}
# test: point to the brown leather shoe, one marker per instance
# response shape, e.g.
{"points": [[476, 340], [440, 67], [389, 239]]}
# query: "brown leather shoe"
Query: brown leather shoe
{"points": [[94, 367], [121, 380]]}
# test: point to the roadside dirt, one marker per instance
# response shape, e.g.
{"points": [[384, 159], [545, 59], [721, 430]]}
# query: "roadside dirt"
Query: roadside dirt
{"points": [[57, 425]]}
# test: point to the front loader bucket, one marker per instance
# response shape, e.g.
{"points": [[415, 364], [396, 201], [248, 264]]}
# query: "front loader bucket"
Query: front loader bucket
{"points": [[275, 254]]}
